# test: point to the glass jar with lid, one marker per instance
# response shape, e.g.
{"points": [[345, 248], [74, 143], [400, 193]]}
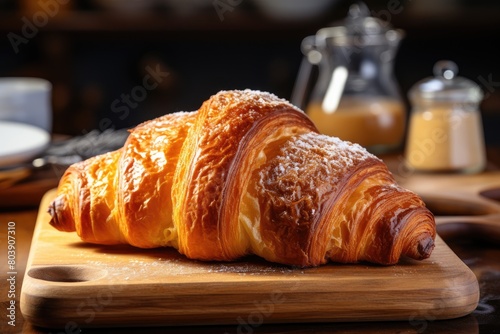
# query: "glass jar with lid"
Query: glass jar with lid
{"points": [[445, 131]]}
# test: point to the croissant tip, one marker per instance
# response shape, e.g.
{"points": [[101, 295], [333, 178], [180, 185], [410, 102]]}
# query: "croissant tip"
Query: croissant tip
{"points": [[425, 247], [57, 210], [52, 211]]}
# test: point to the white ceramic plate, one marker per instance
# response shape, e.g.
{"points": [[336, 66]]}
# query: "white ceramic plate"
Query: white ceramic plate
{"points": [[20, 142]]}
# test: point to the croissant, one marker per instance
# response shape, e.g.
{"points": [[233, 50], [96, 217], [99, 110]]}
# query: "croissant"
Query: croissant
{"points": [[247, 173]]}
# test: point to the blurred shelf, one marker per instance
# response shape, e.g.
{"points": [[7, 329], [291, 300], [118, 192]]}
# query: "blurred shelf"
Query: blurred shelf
{"points": [[421, 21], [150, 22], [466, 21]]}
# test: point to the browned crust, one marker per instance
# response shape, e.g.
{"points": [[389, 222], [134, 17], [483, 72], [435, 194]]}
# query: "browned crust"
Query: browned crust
{"points": [[147, 166], [207, 157]]}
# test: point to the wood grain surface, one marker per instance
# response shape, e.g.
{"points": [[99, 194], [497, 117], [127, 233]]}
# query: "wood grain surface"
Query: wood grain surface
{"points": [[72, 284]]}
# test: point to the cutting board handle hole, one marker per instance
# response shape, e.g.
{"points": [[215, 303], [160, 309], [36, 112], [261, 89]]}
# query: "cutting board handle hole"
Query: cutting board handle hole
{"points": [[493, 194], [68, 274], [442, 206]]}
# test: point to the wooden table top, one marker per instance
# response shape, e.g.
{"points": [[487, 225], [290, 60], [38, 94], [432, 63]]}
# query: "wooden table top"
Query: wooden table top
{"points": [[480, 256]]}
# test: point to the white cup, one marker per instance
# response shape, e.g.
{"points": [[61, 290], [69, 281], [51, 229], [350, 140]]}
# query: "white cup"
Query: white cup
{"points": [[26, 100]]}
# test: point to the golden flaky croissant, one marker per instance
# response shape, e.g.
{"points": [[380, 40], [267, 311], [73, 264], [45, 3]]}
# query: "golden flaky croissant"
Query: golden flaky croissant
{"points": [[247, 173]]}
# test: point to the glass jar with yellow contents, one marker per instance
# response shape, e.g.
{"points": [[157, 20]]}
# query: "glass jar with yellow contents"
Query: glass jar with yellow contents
{"points": [[445, 131]]}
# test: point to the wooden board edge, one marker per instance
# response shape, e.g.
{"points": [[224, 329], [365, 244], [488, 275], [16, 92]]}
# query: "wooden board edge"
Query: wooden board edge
{"points": [[52, 310]]}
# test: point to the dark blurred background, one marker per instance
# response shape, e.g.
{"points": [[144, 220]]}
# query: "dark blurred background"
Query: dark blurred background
{"points": [[98, 52]]}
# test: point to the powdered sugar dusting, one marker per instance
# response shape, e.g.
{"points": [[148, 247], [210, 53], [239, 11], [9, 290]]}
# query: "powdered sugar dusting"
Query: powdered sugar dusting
{"points": [[257, 99], [308, 168]]}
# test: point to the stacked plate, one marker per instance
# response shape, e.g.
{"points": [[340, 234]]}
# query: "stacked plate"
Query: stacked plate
{"points": [[20, 142]]}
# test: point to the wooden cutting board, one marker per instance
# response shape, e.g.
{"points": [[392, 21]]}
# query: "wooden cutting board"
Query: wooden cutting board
{"points": [[70, 283], [465, 205]]}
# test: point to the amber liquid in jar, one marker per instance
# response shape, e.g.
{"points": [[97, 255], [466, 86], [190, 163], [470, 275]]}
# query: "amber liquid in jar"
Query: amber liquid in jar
{"points": [[370, 122]]}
